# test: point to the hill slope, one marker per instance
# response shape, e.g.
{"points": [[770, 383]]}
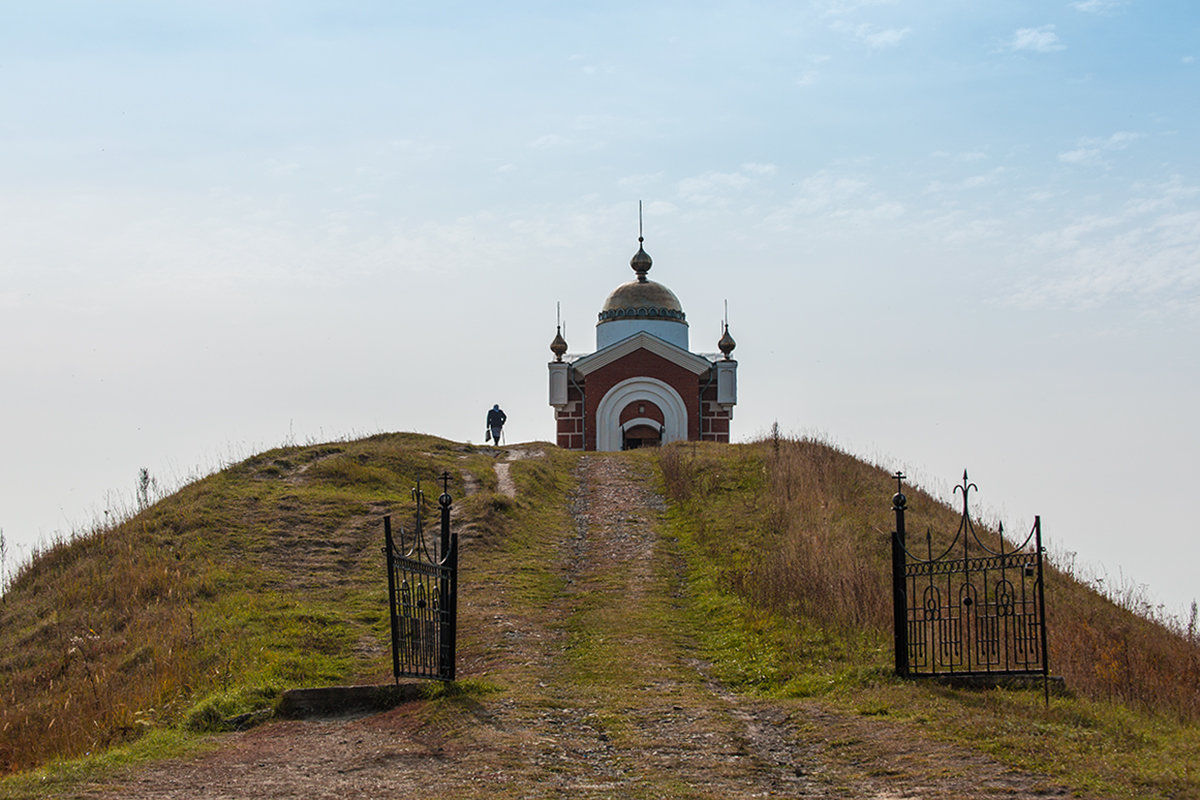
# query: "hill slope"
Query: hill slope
{"points": [[596, 636], [258, 578]]}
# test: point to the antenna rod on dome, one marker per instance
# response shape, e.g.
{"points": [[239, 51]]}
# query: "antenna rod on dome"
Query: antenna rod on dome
{"points": [[640, 236], [558, 313]]}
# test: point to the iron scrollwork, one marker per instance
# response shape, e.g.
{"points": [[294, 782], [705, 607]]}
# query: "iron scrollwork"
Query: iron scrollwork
{"points": [[423, 594], [970, 609]]}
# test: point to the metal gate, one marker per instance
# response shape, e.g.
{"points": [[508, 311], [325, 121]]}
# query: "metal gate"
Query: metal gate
{"points": [[969, 610], [423, 595]]}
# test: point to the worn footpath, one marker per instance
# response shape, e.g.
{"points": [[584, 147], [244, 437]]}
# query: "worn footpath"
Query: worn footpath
{"points": [[598, 693]]}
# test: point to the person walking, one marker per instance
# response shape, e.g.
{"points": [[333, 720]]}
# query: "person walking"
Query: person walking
{"points": [[495, 424]]}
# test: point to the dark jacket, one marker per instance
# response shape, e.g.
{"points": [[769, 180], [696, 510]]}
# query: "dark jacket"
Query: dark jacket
{"points": [[496, 418]]}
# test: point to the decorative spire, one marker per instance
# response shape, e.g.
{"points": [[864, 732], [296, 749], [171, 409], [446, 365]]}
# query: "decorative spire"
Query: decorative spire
{"points": [[641, 261], [726, 343], [559, 345]]}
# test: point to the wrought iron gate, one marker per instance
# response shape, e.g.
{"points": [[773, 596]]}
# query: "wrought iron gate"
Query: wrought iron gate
{"points": [[970, 610], [423, 595]]}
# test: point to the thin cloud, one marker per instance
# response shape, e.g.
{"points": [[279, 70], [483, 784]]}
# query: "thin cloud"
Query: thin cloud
{"points": [[968, 156], [840, 7], [1035, 40], [759, 169], [837, 201], [1146, 254], [811, 75], [989, 178], [547, 141], [885, 38], [872, 36], [638, 181], [1091, 151], [713, 188], [1099, 6]]}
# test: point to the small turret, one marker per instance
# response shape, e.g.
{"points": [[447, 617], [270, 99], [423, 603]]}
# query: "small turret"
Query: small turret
{"points": [[559, 345], [726, 343], [641, 262]]}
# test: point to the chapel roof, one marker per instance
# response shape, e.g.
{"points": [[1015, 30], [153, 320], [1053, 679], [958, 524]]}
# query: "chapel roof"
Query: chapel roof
{"points": [[642, 298]]}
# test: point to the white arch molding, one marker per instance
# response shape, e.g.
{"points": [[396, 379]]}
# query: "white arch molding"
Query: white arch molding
{"points": [[608, 412]]}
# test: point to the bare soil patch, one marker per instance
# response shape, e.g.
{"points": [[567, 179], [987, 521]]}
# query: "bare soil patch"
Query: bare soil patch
{"points": [[505, 484]]}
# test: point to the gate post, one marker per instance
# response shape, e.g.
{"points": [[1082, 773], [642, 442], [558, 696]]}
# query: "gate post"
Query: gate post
{"points": [[389, 549], [448, 588], [1041, 600], [899, 582]]}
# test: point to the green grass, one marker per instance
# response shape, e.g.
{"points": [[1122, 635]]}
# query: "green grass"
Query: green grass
{"points": [[60, 775]]}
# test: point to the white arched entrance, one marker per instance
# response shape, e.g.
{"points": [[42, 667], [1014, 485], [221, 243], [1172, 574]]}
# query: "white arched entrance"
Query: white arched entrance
{"points": [[608, 413]]}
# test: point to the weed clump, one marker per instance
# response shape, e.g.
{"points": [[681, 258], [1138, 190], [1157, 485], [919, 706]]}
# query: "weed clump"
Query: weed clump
{"points": [[224, 711]]}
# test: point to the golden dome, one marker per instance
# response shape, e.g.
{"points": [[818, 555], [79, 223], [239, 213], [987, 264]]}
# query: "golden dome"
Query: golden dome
{"points": [[642, 298]]}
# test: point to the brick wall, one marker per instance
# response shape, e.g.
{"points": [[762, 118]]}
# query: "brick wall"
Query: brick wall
{"points": [[639, 364], [714, 420], [577, 433], [570, 421], [642, 408]]}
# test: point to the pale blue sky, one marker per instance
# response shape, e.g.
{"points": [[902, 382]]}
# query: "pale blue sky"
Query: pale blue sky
{"points": [[950, 234]]}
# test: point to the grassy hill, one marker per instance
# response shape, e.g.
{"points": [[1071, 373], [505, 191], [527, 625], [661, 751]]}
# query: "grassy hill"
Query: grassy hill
{"points": [[268, 575], [262, 577], [788, 546]]}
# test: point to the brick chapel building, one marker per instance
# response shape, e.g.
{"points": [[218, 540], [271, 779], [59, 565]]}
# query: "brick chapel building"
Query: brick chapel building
{"points": [[642, 387]]}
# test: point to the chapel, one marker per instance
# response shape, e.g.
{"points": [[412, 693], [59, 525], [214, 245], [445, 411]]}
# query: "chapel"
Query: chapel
{"points": [[642, 387]]}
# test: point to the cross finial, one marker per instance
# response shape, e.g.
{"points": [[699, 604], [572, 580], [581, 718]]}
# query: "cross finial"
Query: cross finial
{"points": [[641, 261], [899, 501]]}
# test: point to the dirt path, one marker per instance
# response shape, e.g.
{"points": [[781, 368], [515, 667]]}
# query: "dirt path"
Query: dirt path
{"points": [[601, 695], [504, 481]]}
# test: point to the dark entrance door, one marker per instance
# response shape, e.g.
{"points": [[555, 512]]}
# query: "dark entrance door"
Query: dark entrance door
{"points": [[642, 436]]}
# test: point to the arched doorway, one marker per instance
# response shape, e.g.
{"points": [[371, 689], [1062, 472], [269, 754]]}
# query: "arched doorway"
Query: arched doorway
{"points": [[635, 436], [660, 399]]}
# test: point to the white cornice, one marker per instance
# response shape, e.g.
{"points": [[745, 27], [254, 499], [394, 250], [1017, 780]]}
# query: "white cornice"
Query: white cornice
{"points": [[642, 341]]}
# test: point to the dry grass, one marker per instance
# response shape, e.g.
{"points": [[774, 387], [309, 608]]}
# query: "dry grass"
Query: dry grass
{"points": [[1108, 650], [810, 528], [813, 542], [208, 603], [788, 544]]}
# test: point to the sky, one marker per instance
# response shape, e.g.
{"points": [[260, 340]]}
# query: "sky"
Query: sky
{"points": [[948, 234]]}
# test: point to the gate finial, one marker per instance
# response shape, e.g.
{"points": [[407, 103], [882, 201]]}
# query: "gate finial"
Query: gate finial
{"points": [[965, 487], [899, 501]]}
